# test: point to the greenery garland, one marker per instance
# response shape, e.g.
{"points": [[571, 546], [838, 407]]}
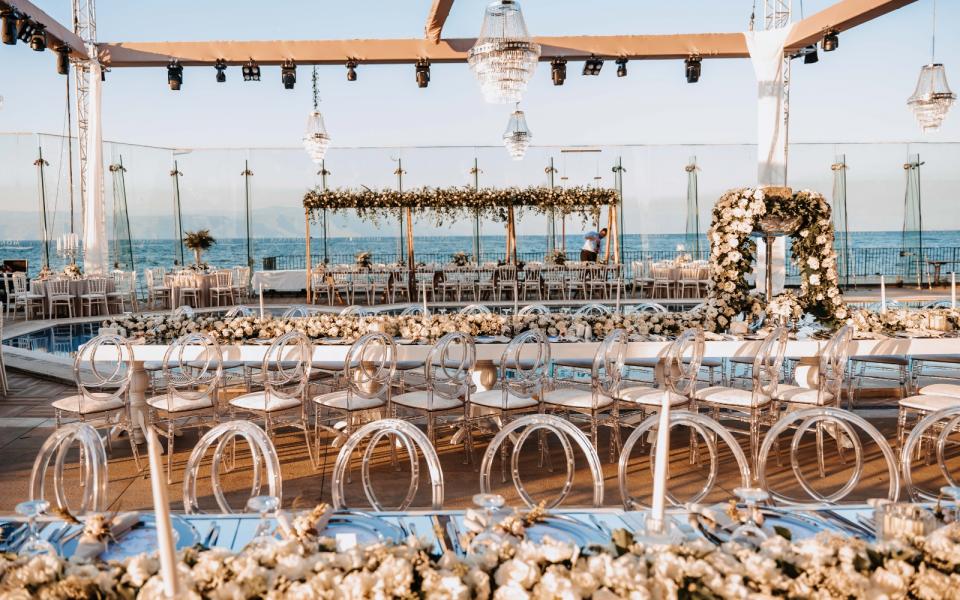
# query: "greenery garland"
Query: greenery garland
{"points": [[448, 204]]}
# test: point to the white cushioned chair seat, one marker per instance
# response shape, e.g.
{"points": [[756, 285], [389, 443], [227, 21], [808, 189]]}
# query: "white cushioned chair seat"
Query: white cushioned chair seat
{"points": [[649, 396], [729, 396], [941, 389], [576, 398], [88, 406], [494, 399], [178, 404], [800, 395], [930, 403], [420, 399], [258, 401], [341, 400]]}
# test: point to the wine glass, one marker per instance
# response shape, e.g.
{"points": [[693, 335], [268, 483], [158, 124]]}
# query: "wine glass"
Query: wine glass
{"points": [[749, 533], [953, 491], [266, 506], [34, 545], [488, 539]]}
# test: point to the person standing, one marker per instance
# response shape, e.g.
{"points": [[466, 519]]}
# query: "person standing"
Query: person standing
{"points": [[591, 245]]}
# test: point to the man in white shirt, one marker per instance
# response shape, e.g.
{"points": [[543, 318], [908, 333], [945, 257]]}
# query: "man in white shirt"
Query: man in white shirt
{"points": [[591, 245]]}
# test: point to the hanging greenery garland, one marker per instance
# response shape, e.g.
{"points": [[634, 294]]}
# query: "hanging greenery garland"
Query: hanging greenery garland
{"points": [[449, 204]]}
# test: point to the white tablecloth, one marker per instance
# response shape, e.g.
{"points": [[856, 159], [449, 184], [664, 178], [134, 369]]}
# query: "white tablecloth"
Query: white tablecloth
{"points": [[280, 281]]}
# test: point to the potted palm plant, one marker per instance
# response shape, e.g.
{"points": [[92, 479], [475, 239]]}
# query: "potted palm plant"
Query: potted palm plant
{"points": [[198, 241]]}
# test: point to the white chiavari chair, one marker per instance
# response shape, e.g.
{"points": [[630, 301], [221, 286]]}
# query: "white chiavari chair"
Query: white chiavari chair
{"points": [[424, 277], [485, 282], [531, 281], [3, 366], [320, 286], [59, 296], [663, 281], [95, 296], [342, 282], [576, 274], [688, 282], [362, 285], [615, 282], [188, 288], [124, 291], [595, 281], [639, 278], [223, 288], [192, 374], [158, 293], [102, 370], [555, 279], [241, 283], [399, 284], [379, 284], [25, 298]]}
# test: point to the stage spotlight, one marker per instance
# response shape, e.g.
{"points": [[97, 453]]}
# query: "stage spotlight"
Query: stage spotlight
{"points": [[38, 38], [288, 74], [175, 74], [63, 60], [423, 73], [621, 67], [810, 55], [592, 66], [558, 70], [8, 26], [24, 28], [221, 67], [351, 70], [692, 69], [831, 41], [251, 71]]}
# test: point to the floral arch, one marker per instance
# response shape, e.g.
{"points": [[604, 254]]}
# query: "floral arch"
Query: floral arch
{"points": [[732, 251]]}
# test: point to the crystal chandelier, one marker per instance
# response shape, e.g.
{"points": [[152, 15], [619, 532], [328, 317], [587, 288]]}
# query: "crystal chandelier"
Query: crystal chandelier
{"points": [[932, 97], [316, 140], [517, 137], [504, 55]]}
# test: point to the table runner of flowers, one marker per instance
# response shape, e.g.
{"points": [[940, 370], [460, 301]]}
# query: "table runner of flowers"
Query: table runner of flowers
{"points": [[306, 565]]}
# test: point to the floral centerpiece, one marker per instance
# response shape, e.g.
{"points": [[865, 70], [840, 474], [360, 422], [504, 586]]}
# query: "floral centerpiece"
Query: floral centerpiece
{"points": [[72, 271], [363, 260], [555, 257], [198, 241], [460, 259]]}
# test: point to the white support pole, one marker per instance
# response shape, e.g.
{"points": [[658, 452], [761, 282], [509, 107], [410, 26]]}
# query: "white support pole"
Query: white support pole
{"points": [[95, 245]]}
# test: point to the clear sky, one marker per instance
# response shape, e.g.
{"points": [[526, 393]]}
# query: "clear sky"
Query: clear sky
{"points": [[856, 94]]}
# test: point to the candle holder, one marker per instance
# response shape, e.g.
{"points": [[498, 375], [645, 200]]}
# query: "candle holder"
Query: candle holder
{"points": [[749, 532], [68, 247], [902, 521], [657, 532]]}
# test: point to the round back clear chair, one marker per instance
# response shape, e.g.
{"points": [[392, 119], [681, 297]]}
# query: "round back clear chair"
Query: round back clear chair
{"points": [[644, 307], [534, 309], [414, 310], [519, 431], [192, 374], [355, 310], [768, 362], [394, 431], [524, 374], [93, 469], [298, 311], [700, 425], [184, 311], [933, 432], [682, 363], [840, 423], [102, 370], [224, 435], [593, 310], [238, 311], [473, 309]]}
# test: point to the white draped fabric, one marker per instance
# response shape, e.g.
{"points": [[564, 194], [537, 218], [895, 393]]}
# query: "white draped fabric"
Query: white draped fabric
{"points": [[766, 54], [95, 248]]}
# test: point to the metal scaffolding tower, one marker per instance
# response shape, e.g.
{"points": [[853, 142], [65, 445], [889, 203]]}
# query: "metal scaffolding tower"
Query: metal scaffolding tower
{"points": [[85, 26]]}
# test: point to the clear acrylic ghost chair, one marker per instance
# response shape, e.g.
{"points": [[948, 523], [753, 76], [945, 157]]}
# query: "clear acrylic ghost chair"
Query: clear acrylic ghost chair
{"points": [[93, 468], [298, 311], [192, 372], [394, 431], [593, 310], [700, 425], [473, 309], [239, 311], [368, 372], [831, 367], [448, 373], [414, 310], [680, 367], [752, 406], [534, 309], [599, 394], [263, 456], [185, 311], [519, 431], [3, 366], [357, 311], [644, 308], [934, 432], [844, 425], [102, 370], [285, 373]]}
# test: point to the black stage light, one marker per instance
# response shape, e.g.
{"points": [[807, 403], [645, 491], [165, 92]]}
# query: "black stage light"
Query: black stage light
{"points": [[251, 71], [692, 69], [8, 26], [423, 73], [351, 70], [592, 66], [38, 38], [63, 60], [288, 74], [621, 67], [831, 41], [221, 67], [558, 70], [24, 28], [175, 74], [810, 55]]}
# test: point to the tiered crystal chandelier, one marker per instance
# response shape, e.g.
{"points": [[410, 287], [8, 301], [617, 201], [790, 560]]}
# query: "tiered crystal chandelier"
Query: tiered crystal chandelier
{"points": [[932, 98], [517, 136], [316, 140], [504, 55]]}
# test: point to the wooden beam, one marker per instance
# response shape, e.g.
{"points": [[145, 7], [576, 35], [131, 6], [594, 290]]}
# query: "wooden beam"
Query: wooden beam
{"points": [[439, 11], [336, 52], [844, 15], [57, 34]]}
